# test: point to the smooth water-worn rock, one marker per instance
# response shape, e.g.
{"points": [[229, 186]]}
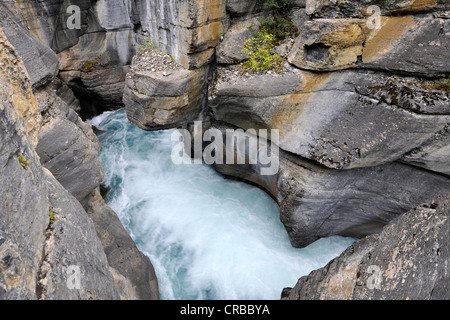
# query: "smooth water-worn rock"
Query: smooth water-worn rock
{"points": [[408, 260], [71, 156], [40, 61], [317, 202]]}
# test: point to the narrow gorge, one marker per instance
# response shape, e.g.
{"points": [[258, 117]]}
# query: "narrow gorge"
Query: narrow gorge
{"points": [[358, 96]]}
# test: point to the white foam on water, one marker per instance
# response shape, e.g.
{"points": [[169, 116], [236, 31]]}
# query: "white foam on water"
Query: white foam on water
{"points": [[207, 237]]}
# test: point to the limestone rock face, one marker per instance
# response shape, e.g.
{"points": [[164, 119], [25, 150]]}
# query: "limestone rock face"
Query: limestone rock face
{"points": [[68, 147], [410, 45], [40, 61], [92, 56], [35, 253], [187, 30], [347, 35], [358, 9], [407, 260], [317, 202], [229, 50], [49, 246], [327, 44], [344, 119]]}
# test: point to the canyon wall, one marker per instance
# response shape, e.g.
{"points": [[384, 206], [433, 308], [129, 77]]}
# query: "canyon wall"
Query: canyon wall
{"points": [[55, 227]]}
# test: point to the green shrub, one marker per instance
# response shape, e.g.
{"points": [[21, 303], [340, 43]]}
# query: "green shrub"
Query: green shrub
{"points": [[259, 50], [278, 24]]}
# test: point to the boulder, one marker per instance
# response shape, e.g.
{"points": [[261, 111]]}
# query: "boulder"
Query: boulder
{"points": [[408, 260], [158, 100]]}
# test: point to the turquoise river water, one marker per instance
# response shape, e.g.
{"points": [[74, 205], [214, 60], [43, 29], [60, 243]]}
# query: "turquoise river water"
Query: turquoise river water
{"points": [[208, 237]]}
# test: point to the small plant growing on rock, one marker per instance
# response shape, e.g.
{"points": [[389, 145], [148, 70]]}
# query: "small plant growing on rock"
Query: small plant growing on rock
{"points": [[278, 25], [443, 85], [22, 161], [259, 50], [51, 216], [90, 65], [146, 42]]}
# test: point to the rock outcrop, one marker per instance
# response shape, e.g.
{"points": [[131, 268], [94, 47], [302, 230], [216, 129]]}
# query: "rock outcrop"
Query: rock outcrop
{"points": [[408, 260], [163, 99], [344, 119], [43, 229], [50, 247]]}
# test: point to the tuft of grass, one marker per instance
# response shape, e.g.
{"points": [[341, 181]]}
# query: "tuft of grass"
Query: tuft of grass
{"points": [[145, 42], [22, 161]]}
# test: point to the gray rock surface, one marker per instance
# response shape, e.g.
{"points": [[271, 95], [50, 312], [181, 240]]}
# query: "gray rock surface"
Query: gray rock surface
{"points": [[408, 260], [160, 100], [317, 202], [34, 251], [344, 119], [132, 270], [49, 246], [40, 61], [406, 38], [358, 8]]}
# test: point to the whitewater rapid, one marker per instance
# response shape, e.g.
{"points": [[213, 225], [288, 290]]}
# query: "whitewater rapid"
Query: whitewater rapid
{"points": [[207, 237]]}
